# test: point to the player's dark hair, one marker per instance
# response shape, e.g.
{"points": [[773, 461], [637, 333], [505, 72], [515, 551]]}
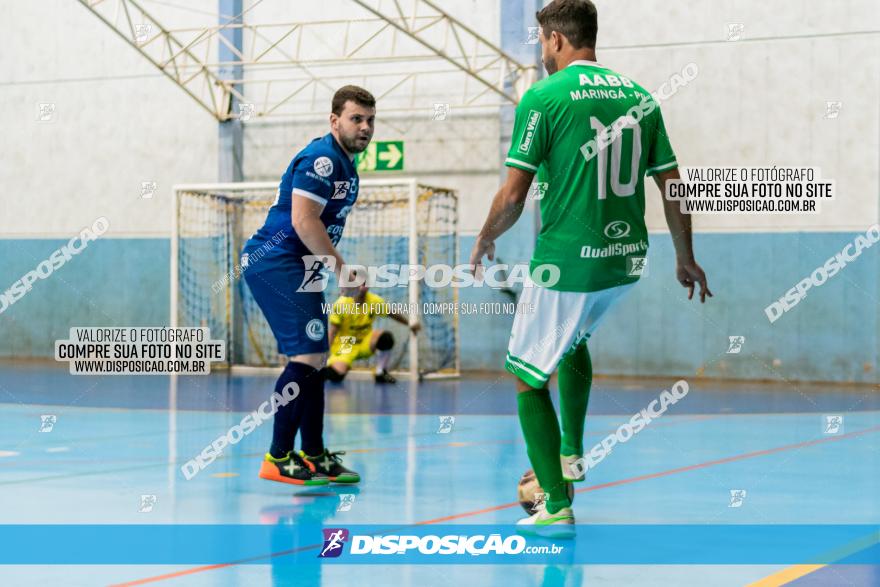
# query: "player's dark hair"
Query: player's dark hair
{"points": [[577, 20], [356, 94]]}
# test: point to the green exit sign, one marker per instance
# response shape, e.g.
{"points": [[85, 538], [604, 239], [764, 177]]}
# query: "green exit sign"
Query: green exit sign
{"points": [[382, 156]]}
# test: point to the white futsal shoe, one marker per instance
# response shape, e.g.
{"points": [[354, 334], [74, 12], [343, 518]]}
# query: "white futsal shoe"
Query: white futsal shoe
{"points": [[543, 523], [574, 467]]}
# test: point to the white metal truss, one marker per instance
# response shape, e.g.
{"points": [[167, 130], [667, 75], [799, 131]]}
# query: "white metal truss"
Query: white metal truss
{"points": [[290, 69]]}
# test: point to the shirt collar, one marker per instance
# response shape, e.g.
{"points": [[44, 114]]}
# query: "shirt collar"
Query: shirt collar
{"points": [[584, 62]]}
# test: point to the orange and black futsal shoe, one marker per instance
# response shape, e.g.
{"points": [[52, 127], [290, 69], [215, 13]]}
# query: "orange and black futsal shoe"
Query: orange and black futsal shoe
{"points": [[291, 469], [329, 464]]}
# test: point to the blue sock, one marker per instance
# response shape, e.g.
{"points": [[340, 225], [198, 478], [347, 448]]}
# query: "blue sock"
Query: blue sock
{"points": [[311, 428], [287, 417]]}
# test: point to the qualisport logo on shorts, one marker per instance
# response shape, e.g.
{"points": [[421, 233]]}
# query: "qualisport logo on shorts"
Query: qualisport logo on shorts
{"points": [[334, 540]]}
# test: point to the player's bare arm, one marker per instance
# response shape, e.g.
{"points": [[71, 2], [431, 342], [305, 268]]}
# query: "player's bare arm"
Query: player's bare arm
{"points": [[507, 207], [306, 220], [400, 318], [332, 332], [687, 270]]}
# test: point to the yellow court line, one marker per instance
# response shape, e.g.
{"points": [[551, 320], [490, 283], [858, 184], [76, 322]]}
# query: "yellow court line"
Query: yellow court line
{"points": [[786, 576], [794, 572]]}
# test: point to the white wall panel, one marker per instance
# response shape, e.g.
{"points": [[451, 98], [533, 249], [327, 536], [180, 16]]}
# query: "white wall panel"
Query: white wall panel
{"points": [[118, 122], [763, 103]]}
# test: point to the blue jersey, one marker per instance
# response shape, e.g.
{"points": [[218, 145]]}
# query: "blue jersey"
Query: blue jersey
{"points": [[321, 172]]}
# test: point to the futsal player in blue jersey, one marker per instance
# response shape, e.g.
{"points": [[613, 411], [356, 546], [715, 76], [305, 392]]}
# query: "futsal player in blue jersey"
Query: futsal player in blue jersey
{"points": [[306, 221]]}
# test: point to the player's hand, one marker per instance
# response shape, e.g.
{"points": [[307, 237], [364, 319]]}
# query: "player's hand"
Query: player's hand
{"points": [[345, 275], [690, 273], [415, 327], [481, 248]]}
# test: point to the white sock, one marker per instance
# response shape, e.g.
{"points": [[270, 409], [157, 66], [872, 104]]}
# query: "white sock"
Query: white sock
{"points": [[382, 358]]}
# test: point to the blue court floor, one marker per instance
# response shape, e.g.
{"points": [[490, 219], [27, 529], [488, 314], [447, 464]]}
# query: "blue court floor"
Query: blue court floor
{"points": [[108, 441]]}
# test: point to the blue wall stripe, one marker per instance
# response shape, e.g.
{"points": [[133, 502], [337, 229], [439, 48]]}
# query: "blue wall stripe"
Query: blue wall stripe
{"points": [[113, 282], [832, 334]]}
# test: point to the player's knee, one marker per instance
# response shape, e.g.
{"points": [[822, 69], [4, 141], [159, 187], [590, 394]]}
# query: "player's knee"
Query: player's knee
{"points": [[385, 341], [333, 375]]}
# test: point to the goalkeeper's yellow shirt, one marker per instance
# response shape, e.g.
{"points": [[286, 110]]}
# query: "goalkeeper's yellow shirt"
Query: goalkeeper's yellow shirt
{"points": [[356, 318]]}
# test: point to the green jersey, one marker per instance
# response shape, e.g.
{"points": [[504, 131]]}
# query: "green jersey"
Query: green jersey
{"points": [[591, 135]]}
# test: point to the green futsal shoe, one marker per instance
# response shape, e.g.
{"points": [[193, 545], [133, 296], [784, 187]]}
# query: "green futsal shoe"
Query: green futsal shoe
{"points": [[329, 464], [291, 469], [543, 523]]}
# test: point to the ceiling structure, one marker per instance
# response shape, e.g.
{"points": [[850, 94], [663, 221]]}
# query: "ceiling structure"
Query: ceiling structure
{"points": [[411, 54]]}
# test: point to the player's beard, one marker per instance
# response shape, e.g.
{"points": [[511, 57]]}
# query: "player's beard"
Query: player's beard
{"points": [[354, 143], [550, 65]]}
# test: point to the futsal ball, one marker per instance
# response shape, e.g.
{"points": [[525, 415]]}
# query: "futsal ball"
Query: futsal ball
{"points": [[528, 490]]}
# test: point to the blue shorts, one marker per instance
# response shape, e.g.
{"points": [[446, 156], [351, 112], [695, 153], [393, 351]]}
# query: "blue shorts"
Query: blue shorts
{"points": [[297, 319]]}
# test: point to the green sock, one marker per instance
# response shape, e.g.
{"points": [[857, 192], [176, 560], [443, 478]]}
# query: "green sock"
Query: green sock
{"points": [[541, 431], [574, 380]]}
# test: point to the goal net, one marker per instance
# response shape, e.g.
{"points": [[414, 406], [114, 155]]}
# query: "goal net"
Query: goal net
{"points": [[397, 221]]}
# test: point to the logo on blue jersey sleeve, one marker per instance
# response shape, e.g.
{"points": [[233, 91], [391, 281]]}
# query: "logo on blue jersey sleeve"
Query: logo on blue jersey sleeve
{"points": [[323, 166]]}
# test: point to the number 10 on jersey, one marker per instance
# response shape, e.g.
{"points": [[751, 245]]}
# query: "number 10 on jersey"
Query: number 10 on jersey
{"points": [[598, 147]]}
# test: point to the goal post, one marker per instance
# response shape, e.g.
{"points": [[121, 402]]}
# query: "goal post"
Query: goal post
{"points": [[398, 221]]}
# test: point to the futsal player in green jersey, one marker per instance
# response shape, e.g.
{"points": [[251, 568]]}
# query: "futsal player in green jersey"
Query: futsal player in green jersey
{"points": [[591, 135]]}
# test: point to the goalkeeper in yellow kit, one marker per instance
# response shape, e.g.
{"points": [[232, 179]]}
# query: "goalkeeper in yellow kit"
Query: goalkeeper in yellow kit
{"points": [[352, 336]]}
